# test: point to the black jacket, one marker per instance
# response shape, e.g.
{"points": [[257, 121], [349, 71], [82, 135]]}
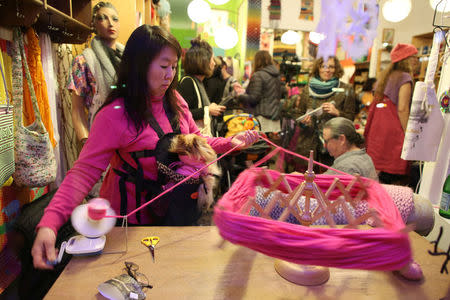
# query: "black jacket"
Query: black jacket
{"points": [[263, 94]]}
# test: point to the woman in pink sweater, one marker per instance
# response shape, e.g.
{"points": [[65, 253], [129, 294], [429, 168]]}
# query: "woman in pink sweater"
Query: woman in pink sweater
{"points": [[142, 108]]}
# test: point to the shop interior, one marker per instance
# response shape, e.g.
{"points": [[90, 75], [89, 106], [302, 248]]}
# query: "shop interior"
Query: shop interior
{"points": [[360, 34]]}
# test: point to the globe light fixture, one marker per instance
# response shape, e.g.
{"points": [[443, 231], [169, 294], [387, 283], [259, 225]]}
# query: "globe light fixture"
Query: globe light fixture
{"points": [[199, 11], [226, 37], [218, 2], [316, 37], [290, 37], [444, 6], [396, 10]]}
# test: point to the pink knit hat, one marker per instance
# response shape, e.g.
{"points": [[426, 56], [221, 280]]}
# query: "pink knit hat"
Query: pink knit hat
{"points": [[402, 51]]}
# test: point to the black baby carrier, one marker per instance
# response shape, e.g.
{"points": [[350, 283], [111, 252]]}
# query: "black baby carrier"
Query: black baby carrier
{"points": [[176, 208]]}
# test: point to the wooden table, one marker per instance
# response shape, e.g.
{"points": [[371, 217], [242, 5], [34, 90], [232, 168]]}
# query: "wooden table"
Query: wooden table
{"points": [[193, 263]]}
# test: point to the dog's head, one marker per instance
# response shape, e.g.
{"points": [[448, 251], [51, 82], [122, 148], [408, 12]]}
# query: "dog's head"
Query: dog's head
{"points": [[193, 146]]}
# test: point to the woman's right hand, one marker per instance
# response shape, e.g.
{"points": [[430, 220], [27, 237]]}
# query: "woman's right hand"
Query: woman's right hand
{"points": [[216, 110], [44, 248], [306, 120]]}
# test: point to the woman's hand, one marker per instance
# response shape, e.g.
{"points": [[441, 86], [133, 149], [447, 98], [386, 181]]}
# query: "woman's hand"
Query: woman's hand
{"points": [[307, 120], [329, 107], [44, 248], [216, 110], [245, 139]]}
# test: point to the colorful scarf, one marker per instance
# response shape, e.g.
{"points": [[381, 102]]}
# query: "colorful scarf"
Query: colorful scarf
{"points": [[322, 89]]}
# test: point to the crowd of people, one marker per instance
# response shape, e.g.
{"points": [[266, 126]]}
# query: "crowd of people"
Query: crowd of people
{"points": [[135, 104]]}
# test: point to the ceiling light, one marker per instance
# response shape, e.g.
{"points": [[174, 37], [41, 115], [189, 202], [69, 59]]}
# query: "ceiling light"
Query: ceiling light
{"points": [[226, 37], [290, 37], [316, 37], [396, 10], [218, 2], [199, 11], [444, 6]]}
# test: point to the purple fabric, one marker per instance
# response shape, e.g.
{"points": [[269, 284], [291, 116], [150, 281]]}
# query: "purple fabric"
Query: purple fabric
{"points": [[393, 85]]}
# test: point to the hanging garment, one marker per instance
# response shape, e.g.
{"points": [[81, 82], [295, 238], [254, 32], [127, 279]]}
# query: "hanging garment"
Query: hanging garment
{"points": [[40, 86], [50, 77]]}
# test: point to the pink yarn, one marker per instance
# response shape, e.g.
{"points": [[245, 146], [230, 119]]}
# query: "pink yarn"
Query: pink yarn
{"points": [[377, 249]]}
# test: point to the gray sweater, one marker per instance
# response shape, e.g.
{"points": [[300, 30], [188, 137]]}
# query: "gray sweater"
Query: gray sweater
{"points": [[355, 162]]}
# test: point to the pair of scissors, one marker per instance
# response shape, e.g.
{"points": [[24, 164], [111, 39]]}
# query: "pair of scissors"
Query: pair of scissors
{"points": [[150, 242]]}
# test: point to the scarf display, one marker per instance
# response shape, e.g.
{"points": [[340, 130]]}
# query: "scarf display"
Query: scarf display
{"points": [[109, 59], [322, 89]]}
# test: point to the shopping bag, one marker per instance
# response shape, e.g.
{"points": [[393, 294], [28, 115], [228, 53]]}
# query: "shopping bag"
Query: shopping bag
{"points": [[425, 124], [34, 157], [7, 166]]}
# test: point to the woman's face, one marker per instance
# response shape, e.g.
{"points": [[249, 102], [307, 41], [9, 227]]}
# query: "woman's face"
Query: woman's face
{"points": [[161, 71], [335, 145], [107, 24], [326, 71]]}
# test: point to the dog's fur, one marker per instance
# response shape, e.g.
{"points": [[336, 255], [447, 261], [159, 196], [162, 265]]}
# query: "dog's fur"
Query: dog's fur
{"points": [[197, 149]]}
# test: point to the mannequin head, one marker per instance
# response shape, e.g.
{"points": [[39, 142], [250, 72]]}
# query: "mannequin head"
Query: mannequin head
{"points": [[105, 22]]}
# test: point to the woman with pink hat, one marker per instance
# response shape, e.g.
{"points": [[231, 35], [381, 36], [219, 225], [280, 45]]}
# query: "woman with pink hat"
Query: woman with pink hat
{"points": [[388, 117]]}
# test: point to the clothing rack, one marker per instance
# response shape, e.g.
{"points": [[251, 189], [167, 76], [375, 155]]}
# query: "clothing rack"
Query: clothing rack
{"points": [[64, 21]]}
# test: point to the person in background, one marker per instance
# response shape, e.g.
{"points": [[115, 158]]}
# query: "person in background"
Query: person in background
{"points": [[94, 71], [344, 144], [221, 86], [144, 108], [215, 84], [263, 93], [394, 88], [332, 97], [199, 64]]}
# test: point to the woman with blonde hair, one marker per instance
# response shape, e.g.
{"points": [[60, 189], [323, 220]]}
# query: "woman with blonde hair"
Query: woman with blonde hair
{"points": [[388, 116]]}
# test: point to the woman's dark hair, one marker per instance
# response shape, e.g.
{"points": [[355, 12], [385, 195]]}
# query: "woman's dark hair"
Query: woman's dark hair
{"points": [[197, 58], [262, 59], [143, 46], [97, 7], [340, 125], [338, 71]]}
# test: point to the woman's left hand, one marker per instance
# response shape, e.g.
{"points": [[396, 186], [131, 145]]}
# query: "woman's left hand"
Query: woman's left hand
{"points": [[329, 107], [245, 139]]}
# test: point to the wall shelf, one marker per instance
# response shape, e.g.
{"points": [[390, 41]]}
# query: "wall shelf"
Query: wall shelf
{"points": [[64, 21]]}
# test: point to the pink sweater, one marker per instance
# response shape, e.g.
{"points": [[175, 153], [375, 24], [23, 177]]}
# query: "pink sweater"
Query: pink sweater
{"points": [[112, 131]]}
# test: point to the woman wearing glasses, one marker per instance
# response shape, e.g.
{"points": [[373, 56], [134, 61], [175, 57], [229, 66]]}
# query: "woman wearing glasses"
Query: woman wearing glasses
{"points": [[345, 145], [329, 98]]}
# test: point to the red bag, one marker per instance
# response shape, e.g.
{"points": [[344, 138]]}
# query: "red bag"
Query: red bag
{"points": [[384, 138]]}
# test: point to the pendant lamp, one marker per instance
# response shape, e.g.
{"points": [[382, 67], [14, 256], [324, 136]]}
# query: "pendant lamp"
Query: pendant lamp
{"points": [[396, 10], [290, 37], [226, 37], [199, 11]]}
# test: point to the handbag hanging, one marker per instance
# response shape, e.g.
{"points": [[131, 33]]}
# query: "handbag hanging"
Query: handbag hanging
{"points": [[34, 156], [7, 165], [425, 123], [384, 138]]}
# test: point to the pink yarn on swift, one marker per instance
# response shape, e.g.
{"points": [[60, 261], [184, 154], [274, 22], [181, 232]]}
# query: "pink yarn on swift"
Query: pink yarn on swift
{"points": [[376, 249], [386, 248]]}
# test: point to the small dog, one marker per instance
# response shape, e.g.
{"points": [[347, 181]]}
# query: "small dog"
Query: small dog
{"points": [[195, 153]]}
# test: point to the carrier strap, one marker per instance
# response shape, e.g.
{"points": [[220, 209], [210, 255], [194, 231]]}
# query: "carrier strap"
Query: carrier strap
{"points": [[136, 175]]}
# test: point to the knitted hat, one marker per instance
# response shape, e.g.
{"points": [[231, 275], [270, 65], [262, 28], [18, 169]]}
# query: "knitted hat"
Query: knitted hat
{"points": [[402, 51]]}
